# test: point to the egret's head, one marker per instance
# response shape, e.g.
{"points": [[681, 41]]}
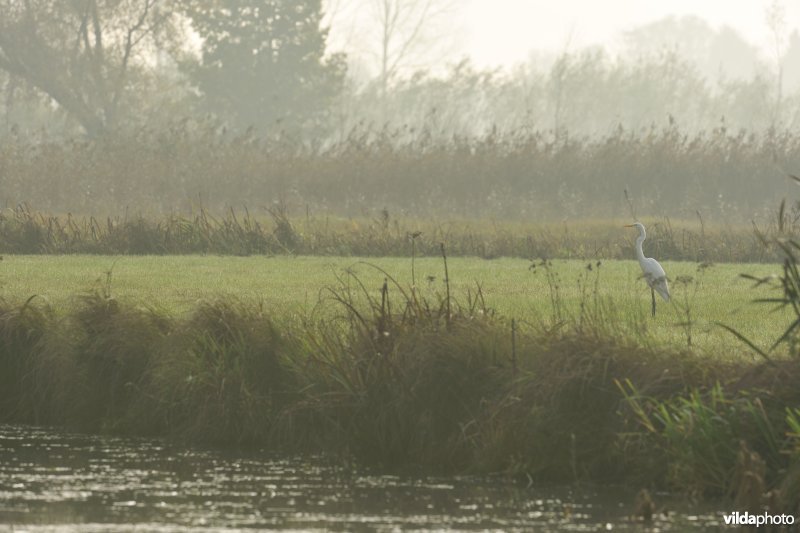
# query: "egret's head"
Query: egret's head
{"points": [[638, 225]]}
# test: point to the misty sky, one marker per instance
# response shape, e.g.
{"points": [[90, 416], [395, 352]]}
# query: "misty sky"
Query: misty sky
{"points": [[504, 32]]}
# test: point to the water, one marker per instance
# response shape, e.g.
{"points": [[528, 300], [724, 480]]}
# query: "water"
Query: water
{"points": [[51, 480]]}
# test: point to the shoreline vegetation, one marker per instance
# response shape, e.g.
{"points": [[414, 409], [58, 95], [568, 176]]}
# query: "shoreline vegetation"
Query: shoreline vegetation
{"points": [[403, 381]]}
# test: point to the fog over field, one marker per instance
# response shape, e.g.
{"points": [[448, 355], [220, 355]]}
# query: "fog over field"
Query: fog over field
{"points": [[391, 233]]}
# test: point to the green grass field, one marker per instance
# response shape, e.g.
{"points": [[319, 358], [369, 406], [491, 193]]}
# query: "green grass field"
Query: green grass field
{"points": [[294, 286]]}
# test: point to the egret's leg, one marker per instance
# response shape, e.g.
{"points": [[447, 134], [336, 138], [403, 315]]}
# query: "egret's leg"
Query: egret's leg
{"points": [[653, 294]]}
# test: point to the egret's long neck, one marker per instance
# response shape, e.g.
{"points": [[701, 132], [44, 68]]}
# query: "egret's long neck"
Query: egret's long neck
{"points": [[639, 240]]}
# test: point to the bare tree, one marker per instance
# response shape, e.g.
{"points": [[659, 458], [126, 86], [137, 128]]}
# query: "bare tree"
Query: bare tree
{"points": [[775, 16], [395, 36], [79, 52]]}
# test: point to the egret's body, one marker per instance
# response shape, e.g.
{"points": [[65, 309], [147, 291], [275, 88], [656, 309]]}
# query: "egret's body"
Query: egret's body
{"points": [[654, 274]]}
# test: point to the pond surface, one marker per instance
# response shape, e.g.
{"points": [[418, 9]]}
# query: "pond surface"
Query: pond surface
{"points": [[52, 480]]}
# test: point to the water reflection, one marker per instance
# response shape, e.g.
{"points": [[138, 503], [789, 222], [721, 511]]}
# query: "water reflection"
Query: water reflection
{"points": [[56, 481]]}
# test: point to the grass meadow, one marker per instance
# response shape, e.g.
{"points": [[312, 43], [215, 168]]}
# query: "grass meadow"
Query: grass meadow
{"points": [[534, 293]]}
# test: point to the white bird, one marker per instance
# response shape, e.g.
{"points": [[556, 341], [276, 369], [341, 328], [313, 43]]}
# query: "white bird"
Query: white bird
{"points": [[654, 274]]}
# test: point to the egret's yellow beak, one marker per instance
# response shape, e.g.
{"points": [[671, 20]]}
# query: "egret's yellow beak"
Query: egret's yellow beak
{"points": [[628, 226]]}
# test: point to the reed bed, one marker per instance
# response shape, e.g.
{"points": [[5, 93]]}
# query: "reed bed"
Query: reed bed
{"points": [[519, 175], [26, 231]]}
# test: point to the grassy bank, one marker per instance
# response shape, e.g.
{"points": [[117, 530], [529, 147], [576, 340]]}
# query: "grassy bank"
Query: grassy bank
{"points": [[542, 294], [381, 233], [401, 380]]}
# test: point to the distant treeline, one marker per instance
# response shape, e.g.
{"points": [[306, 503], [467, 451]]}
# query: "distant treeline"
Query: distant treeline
{"points": [[244, 64], [528, 176]]}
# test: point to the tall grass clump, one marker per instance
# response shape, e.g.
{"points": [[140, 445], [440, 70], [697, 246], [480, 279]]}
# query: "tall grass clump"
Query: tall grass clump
{"points": [[221, 377], [725, 441], [114, 347], [30, 373], [561, 419], [400, 377]]}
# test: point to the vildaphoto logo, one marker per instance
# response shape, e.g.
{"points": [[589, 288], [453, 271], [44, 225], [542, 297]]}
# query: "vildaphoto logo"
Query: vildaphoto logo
{"points": [[763, 519]]}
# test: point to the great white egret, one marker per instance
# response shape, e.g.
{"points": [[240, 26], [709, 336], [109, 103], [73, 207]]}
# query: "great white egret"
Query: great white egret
{"points": [[654, 275]]}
